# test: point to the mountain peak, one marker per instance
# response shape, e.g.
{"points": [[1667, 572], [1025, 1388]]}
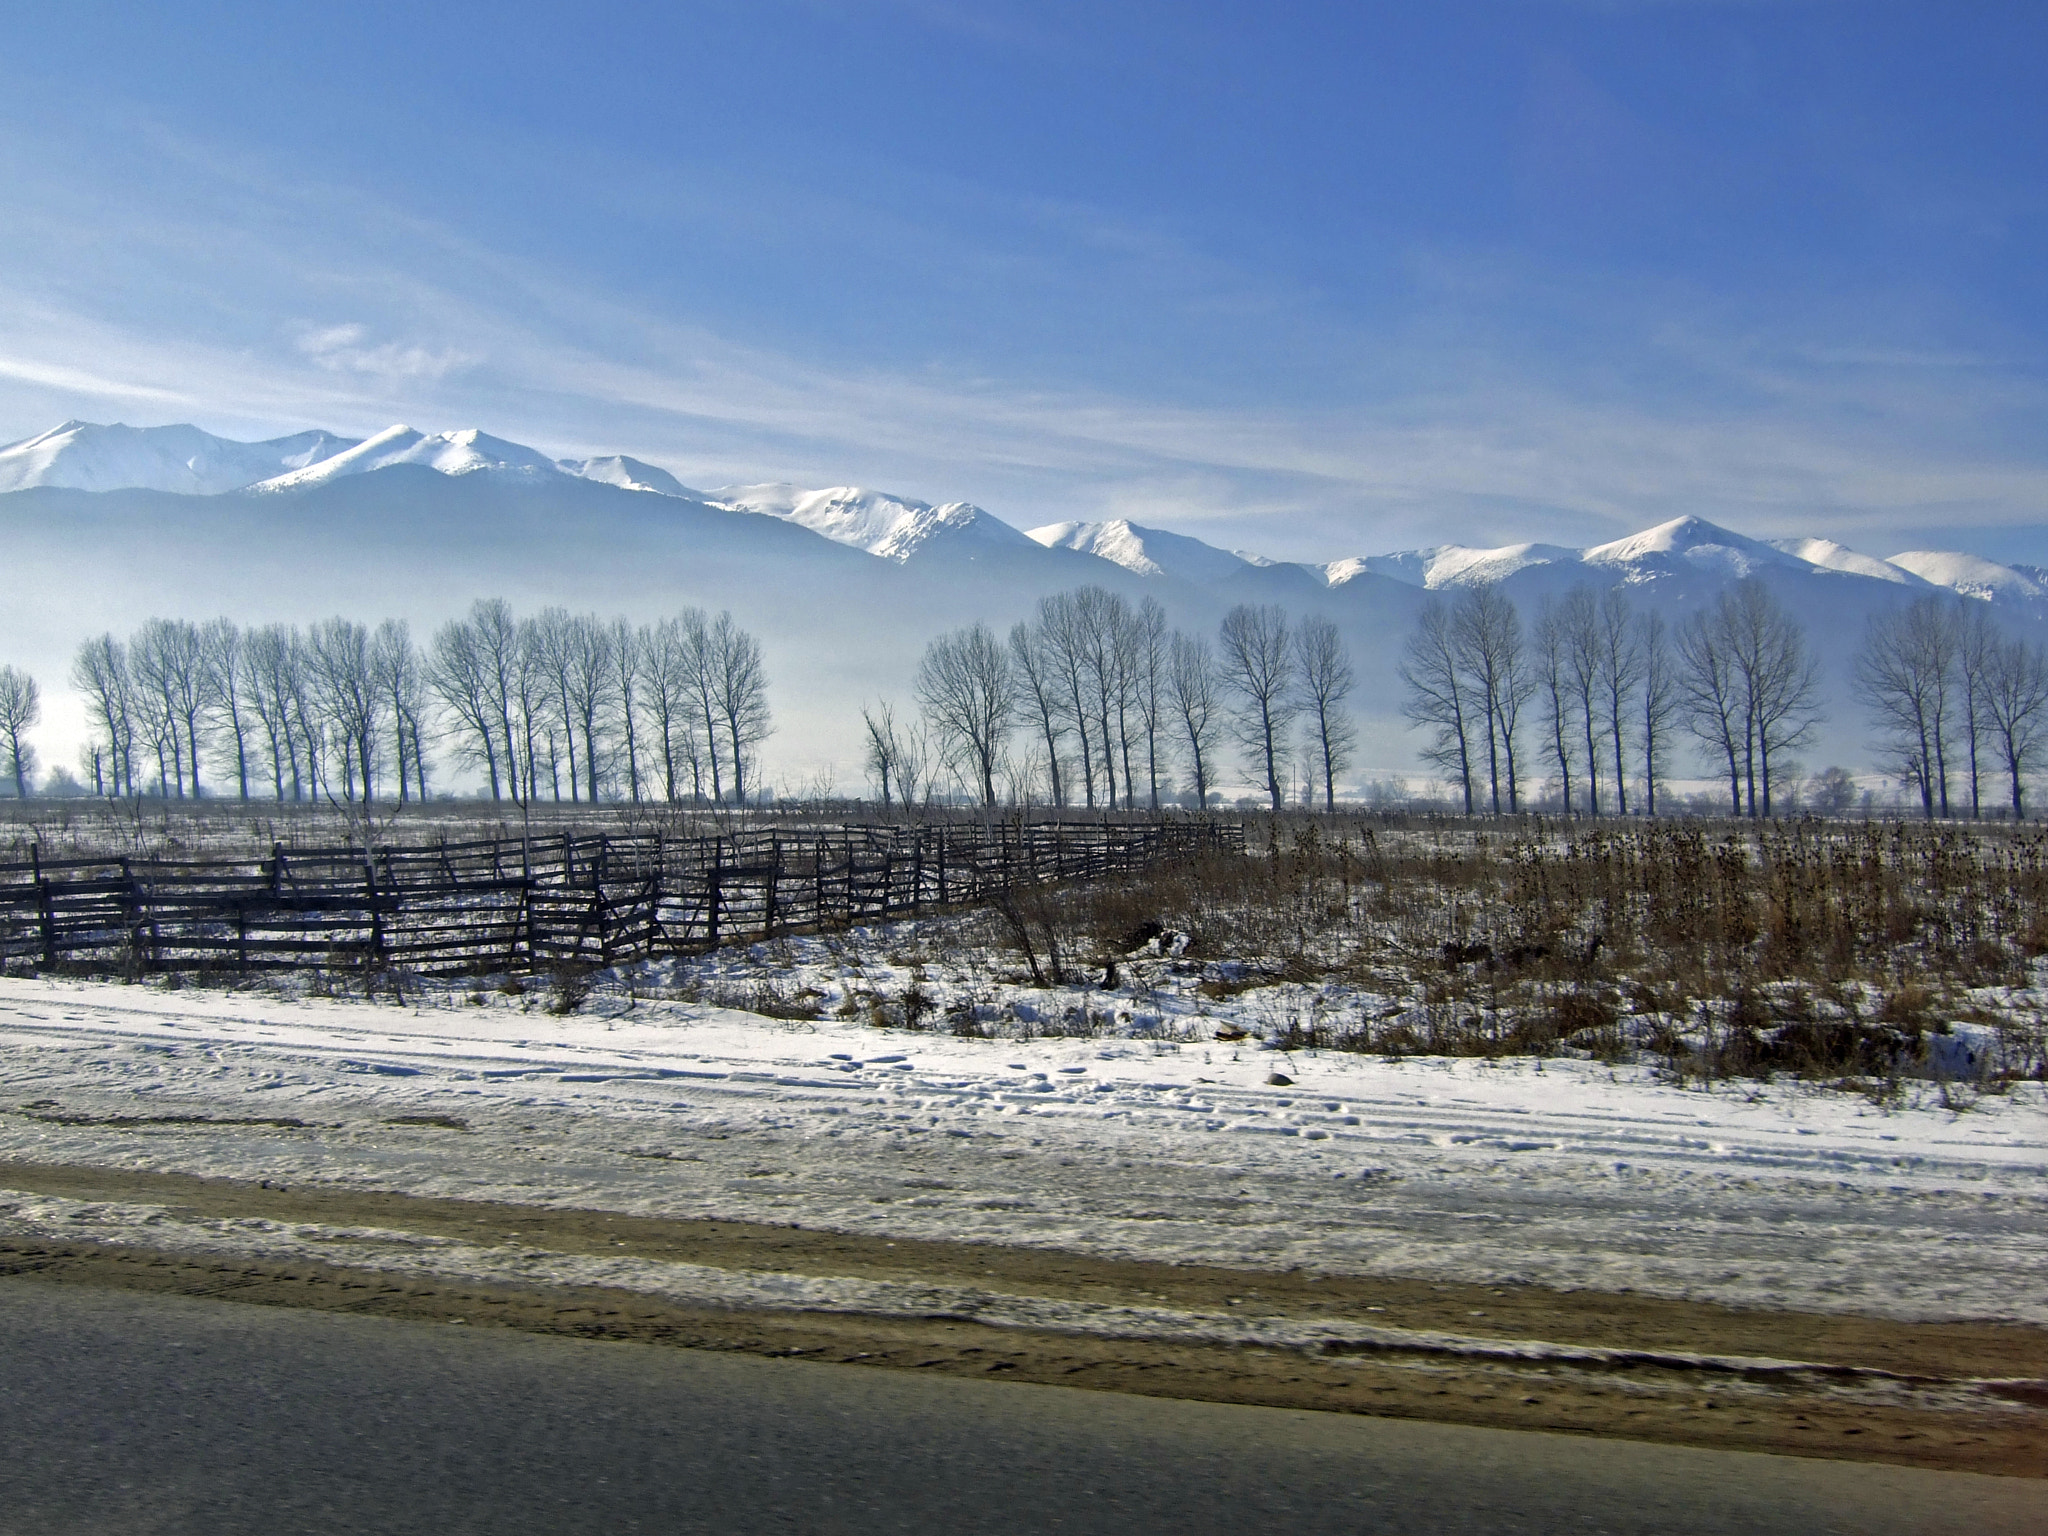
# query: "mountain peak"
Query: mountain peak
{"points": [[1147, 551], [465, 451], [90, 456], [892, 527]]}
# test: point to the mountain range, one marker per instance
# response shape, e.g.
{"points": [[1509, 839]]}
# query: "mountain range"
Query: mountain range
{"points": [[107, 523]]}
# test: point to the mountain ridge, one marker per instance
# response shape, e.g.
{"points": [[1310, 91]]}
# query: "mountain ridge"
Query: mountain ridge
{"points": [[185, 460]]}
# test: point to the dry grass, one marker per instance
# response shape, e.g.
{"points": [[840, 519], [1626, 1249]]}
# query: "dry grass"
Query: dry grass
{"points": [[1822, 950]]}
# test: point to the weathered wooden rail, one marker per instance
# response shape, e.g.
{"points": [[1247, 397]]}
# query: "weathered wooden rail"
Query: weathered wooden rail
{"points": [[546, 902]]}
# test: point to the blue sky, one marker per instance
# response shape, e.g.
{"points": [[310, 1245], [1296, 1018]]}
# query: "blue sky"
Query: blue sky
{"points": [[1310, 280]]}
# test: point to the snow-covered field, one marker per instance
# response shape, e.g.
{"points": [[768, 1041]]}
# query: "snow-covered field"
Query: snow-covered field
{"points": [[1554, 1172]]}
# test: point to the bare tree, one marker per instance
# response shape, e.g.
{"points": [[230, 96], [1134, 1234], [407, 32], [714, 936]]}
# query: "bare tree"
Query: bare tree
{"points": [[2014, 688], [1619, 671], [1439, 695], [222, 642], [1549, 658], [1976, 644], [1905, 677], [665, 685], [1658, 698], [740, 688], [21, 706], [968, 694], [1710, 696], [401, 686], [169, 658], [1041, 700], [626, 669], [1488, 635], [700, 654], [100, 672], [884, 753], [1257, 669], [1062, 629], [344, 684], [1195, 694], [1147, 646], [1777, 679], [584, 672], [1578, 621], [459, 673], [272, 659], [506, 660], [1327, 679], [1102, 621]]}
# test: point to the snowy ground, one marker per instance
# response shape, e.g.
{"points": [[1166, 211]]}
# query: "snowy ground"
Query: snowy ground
{"points": [[1559, 1173]]}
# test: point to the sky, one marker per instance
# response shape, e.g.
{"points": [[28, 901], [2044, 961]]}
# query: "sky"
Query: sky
{"points": [[1309, 280]]}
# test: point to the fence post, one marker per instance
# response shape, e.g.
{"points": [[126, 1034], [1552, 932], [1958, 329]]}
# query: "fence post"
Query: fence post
{"points": [[711, 884], [376, 912], [774, 876], [45, 909]]}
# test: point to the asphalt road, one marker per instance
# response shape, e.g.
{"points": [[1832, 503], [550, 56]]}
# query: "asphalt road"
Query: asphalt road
{"points": [[141, 1414]]}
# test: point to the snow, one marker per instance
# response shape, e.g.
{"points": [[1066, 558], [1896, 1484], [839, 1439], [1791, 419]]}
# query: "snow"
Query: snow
{"points": [[452, 453], [1971, 575], [85, 456], [1558, 1172], [1829, 555], [627, 474], [1447, 565], [1694, 542], [1147, 551], [892, 527]]}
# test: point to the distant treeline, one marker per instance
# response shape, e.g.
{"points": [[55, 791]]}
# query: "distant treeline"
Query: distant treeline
{"points": [[1107, 701], [556, 706], [1592, 686], [1093, 700]]}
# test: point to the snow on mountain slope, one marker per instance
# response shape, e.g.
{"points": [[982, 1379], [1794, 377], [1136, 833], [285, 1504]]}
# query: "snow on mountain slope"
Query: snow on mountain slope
{"points": [[452, 453], [85, 456], [627, 474], [893, 527], [1147, 551], [1829, 555], [1447, 565], [1689, 542], [1972, 575]]}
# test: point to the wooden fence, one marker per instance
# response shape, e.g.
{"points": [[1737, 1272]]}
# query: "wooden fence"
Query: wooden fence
{"points": [[545, 902]]}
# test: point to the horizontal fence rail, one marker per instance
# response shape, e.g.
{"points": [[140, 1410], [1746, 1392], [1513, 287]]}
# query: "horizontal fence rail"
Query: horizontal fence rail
{"points": [[542, 903]]}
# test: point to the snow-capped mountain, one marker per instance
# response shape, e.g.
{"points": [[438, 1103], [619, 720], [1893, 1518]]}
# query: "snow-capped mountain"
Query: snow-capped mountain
{"points": [[1689, 550], [1147, 551], [86, 456], [893, 527], [466, 452]]}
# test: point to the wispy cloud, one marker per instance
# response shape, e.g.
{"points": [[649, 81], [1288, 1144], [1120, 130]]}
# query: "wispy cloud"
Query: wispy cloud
{"points": [[342, 349]]}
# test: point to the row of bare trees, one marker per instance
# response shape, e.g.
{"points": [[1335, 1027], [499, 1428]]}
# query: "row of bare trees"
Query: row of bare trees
{"points": [[1111, 702], [557, 701], [1608, 684], [675, 710], [337, 709], [1953, 697]]}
